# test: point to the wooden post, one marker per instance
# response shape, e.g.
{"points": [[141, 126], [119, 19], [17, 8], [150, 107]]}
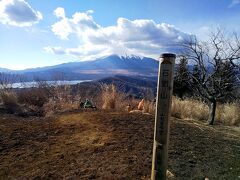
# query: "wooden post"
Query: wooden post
{"points": [[162, 116]]}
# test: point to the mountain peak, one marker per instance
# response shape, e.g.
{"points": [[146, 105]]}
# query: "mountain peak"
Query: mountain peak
{"points": [[124, 57]]}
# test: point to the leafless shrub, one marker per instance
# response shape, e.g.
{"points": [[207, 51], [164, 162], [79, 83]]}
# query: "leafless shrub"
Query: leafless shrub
{"points": [[57, 106], [9, 99], [34, 96], [112, 99], [7, 96]]}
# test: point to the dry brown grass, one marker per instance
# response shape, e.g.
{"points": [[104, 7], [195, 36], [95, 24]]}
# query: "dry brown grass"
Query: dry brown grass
{"points": [[227, 113], [189, 108], [112, 98], [49, 101], [149, 107], [33, 97], [56, 106], [9, 99]]}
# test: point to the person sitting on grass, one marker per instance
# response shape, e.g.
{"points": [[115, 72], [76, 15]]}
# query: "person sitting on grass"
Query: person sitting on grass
{"points": [[87, 104]]}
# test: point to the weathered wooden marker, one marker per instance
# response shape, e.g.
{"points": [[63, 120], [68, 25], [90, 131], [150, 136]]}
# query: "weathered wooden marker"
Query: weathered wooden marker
{"points": [[162, 116]]}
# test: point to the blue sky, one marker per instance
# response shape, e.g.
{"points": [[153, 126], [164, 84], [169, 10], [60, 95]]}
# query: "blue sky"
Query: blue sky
{"points": [[36, 33]]}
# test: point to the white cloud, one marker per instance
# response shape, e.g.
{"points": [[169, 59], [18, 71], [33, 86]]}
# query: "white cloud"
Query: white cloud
{"points": [[59, 12], [62, 28], [90, 11], [78, 24], [234, 3], [141, 37], [18, 13]]}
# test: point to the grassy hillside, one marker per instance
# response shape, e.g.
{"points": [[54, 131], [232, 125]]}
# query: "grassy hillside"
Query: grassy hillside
{"points": [[111, 145]]}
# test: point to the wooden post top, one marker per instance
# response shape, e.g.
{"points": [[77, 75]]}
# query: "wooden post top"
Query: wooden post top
{"points": [[167, 58], [167, 55]]}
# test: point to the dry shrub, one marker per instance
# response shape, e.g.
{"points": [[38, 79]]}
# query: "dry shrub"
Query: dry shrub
{"points": [[56, 106], [9, 99], [133, 102], [48, 100], [34, 96], [197, 109], [149, 107], [112, 99], [61, 100], [228, 113], [61, 92], [178, 108], [189, 108], [10, 102]]}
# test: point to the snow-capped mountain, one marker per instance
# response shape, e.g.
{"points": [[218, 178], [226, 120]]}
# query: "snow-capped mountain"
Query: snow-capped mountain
{"points": [[99, 68]]}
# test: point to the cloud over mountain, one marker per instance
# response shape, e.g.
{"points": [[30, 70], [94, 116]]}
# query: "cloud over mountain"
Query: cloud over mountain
{"points": [[142, 36], [18, 13]]}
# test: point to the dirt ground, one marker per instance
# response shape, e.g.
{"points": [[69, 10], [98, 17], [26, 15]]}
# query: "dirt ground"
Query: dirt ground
{"points": [[111, 145]]}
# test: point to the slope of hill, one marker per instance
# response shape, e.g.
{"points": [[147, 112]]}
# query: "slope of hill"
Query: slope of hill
{"points": [[138, 86], [135, 85]]}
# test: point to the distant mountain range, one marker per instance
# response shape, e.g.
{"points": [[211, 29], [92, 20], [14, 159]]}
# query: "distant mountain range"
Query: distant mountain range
{"points": [[5, 70], [90, 70]]}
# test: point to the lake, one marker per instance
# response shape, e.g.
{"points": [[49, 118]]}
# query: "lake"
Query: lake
{"points": [[51, 83]]}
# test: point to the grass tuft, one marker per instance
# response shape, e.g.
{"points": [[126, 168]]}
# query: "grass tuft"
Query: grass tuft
{"points": [[227, 113]]}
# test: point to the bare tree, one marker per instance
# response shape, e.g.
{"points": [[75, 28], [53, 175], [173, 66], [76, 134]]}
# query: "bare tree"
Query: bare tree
{"points": [[216, 67]]}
